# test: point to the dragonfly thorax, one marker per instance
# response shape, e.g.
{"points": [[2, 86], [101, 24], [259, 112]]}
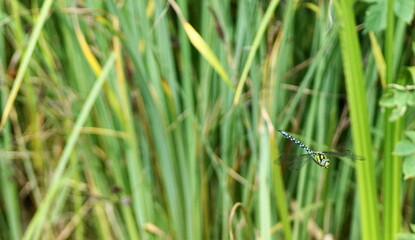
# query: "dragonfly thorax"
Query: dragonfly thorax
{"points": [[321, 159]]}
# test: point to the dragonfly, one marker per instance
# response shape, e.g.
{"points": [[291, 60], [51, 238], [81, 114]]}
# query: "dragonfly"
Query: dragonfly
{"points": [[320, 158]]}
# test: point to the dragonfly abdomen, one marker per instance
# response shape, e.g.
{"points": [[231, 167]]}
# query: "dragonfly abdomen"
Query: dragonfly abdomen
{"points": [[293, 139]]}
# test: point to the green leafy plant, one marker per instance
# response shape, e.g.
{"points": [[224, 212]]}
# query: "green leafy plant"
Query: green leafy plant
{"points": [[375, 18], [406, 148], [398, 99]]}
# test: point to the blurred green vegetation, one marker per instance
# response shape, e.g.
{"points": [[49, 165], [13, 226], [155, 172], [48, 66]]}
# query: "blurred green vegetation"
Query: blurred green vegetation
{"points": [[158, 119]]}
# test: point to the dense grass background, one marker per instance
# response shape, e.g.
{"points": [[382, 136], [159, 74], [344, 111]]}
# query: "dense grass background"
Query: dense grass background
{"points": [[157, 119]]}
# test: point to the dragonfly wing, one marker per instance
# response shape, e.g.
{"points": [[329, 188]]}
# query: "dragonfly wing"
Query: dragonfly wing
{"points": [[346, 154], [295, 162]]}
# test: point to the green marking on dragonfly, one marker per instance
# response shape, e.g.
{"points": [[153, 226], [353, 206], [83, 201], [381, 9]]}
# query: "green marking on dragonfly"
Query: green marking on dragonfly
{"points": [[320, 158]]}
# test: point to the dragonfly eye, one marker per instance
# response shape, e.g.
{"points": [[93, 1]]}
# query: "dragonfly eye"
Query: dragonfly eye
{"points": [[325, 163]]}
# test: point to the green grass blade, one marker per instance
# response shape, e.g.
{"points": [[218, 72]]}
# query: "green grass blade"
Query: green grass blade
{"points": [[25, 61], [255, 44], [392, 169], [36, 225], [352, 62]]}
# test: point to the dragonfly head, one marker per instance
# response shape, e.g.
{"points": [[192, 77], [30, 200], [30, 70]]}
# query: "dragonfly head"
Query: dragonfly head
{"points": [[325, 163]]}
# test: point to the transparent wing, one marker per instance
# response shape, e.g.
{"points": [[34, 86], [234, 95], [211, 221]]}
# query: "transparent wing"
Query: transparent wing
{"points": [[347, 154], [295, 161]]}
